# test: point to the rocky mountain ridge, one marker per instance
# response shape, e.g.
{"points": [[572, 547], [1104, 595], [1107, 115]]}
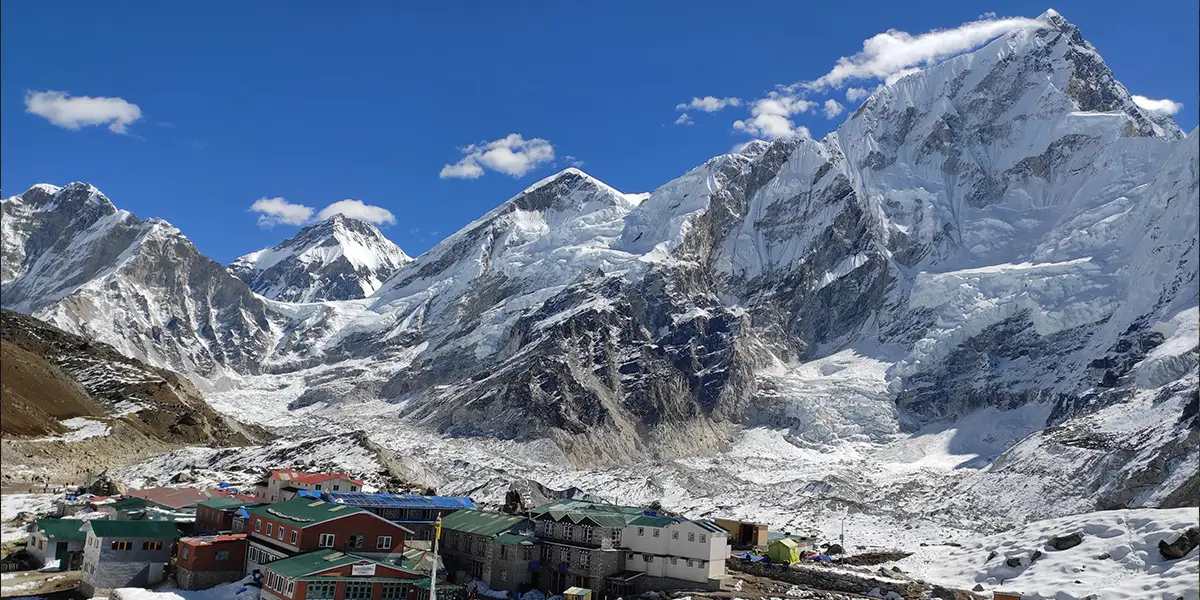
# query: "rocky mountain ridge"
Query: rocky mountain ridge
{"points": [[338, 258], [1004, 231]]}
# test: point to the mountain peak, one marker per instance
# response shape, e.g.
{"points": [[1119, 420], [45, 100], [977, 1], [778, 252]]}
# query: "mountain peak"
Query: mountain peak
{"points": [[338, 258]]}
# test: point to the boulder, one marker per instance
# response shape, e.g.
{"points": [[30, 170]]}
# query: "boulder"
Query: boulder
{"points": [[1013, 562], [835, 549], [978, 588], [1182, 545], [1063, 542]]}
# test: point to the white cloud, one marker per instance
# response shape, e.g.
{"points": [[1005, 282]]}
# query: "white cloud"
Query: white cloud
{"points": [[512, 155], [75, 112], [684, 119], [892, 52], [855, 94], [357, 209], [832, 108], [770, 117], [277, 211], [709, 104], [1164, 106], [574, 162]]}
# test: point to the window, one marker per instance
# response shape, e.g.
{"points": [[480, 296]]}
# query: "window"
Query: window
{"points": [[356, 541], [689, 562], [318, 486], [564, 555], [325, 590], [526, 552], [503, 575], [258, 524], [568, 530], [641, 531], [703, 538], [647, 558], [674, 560], [656, 532], [221, 555], [354, 488], [184, 553], [674, 535], [391, 591], [546, 553], [585, 558], [383, 542], [121, 545], [281, 533], [503, 552], [335, 488], [616, 537], [691, 537], [358, 590], [326, 540], [151, 545], [479, 547], [268, 529], [291, 587], [293, 537], [587, 533]]}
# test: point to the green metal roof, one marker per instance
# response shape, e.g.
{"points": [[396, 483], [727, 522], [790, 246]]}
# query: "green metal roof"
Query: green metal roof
{"points": [[225, 503], [578, 511], [131, 503], [653, 521], [62, 530], [315, 562], [480, 522], [708, 525], [304, 512], [134, 529]]}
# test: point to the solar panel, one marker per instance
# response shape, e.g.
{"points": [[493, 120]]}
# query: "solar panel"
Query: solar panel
{"points": [[401, 500]]}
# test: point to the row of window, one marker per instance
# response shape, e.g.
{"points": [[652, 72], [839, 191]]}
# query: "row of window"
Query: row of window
{"points": [[583, 558], [506, 554], [259, 556], [279, 583], [356, 590], [123, 545], [674, 534], [649, 558], [327, 540], [567, 531]]}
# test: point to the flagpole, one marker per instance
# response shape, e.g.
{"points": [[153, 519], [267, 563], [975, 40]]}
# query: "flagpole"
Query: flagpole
{"points": [[437, 533]]}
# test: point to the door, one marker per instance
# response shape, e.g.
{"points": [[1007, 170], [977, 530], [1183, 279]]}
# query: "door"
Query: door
{"points": [[76, 560]]}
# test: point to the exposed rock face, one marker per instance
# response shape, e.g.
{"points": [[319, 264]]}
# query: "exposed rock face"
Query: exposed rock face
{"points": [[339, 258], [1182, 546], [1063, 542], [1006, 230]]}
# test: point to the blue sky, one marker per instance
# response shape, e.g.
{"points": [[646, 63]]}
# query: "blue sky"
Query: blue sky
{"points": [[317, 102]]}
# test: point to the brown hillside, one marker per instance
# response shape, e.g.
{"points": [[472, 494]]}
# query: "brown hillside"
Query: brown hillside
{"points": [[37, 394]]}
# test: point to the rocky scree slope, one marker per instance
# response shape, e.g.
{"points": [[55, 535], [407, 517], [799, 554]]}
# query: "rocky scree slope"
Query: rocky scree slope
{"points": [[1002, 230], [338, 258]]}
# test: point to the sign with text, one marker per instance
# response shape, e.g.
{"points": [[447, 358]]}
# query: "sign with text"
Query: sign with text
{"points": [[362, 570]]}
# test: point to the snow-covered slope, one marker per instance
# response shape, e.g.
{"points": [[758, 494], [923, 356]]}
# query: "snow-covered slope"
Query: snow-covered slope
{"points": [[988, 270], [340, 258]]}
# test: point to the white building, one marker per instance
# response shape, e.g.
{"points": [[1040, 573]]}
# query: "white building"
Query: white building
{"points": [[676, 548], [283, 484]]}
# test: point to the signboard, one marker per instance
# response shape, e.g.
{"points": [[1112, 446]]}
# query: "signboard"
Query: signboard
{"points": [[362, 570]]}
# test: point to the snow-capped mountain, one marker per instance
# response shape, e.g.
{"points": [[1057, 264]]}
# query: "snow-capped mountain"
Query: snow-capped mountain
{"points": [[1002, 245], [72, 259], [339, 258]]}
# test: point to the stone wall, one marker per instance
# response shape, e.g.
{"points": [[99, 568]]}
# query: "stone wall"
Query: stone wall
{"points": [[829, 579], [202, 580]]}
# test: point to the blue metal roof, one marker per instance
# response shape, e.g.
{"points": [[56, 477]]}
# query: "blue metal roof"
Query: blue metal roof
{"points": [[401, 500]]}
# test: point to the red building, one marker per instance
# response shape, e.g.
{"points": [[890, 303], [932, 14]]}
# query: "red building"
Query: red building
{"points": [[300, 525], [202, 562], [216, 514], [333, 575]]}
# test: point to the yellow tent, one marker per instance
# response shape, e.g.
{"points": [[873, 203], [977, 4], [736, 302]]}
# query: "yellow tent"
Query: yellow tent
{"points": [[784, 551]]}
